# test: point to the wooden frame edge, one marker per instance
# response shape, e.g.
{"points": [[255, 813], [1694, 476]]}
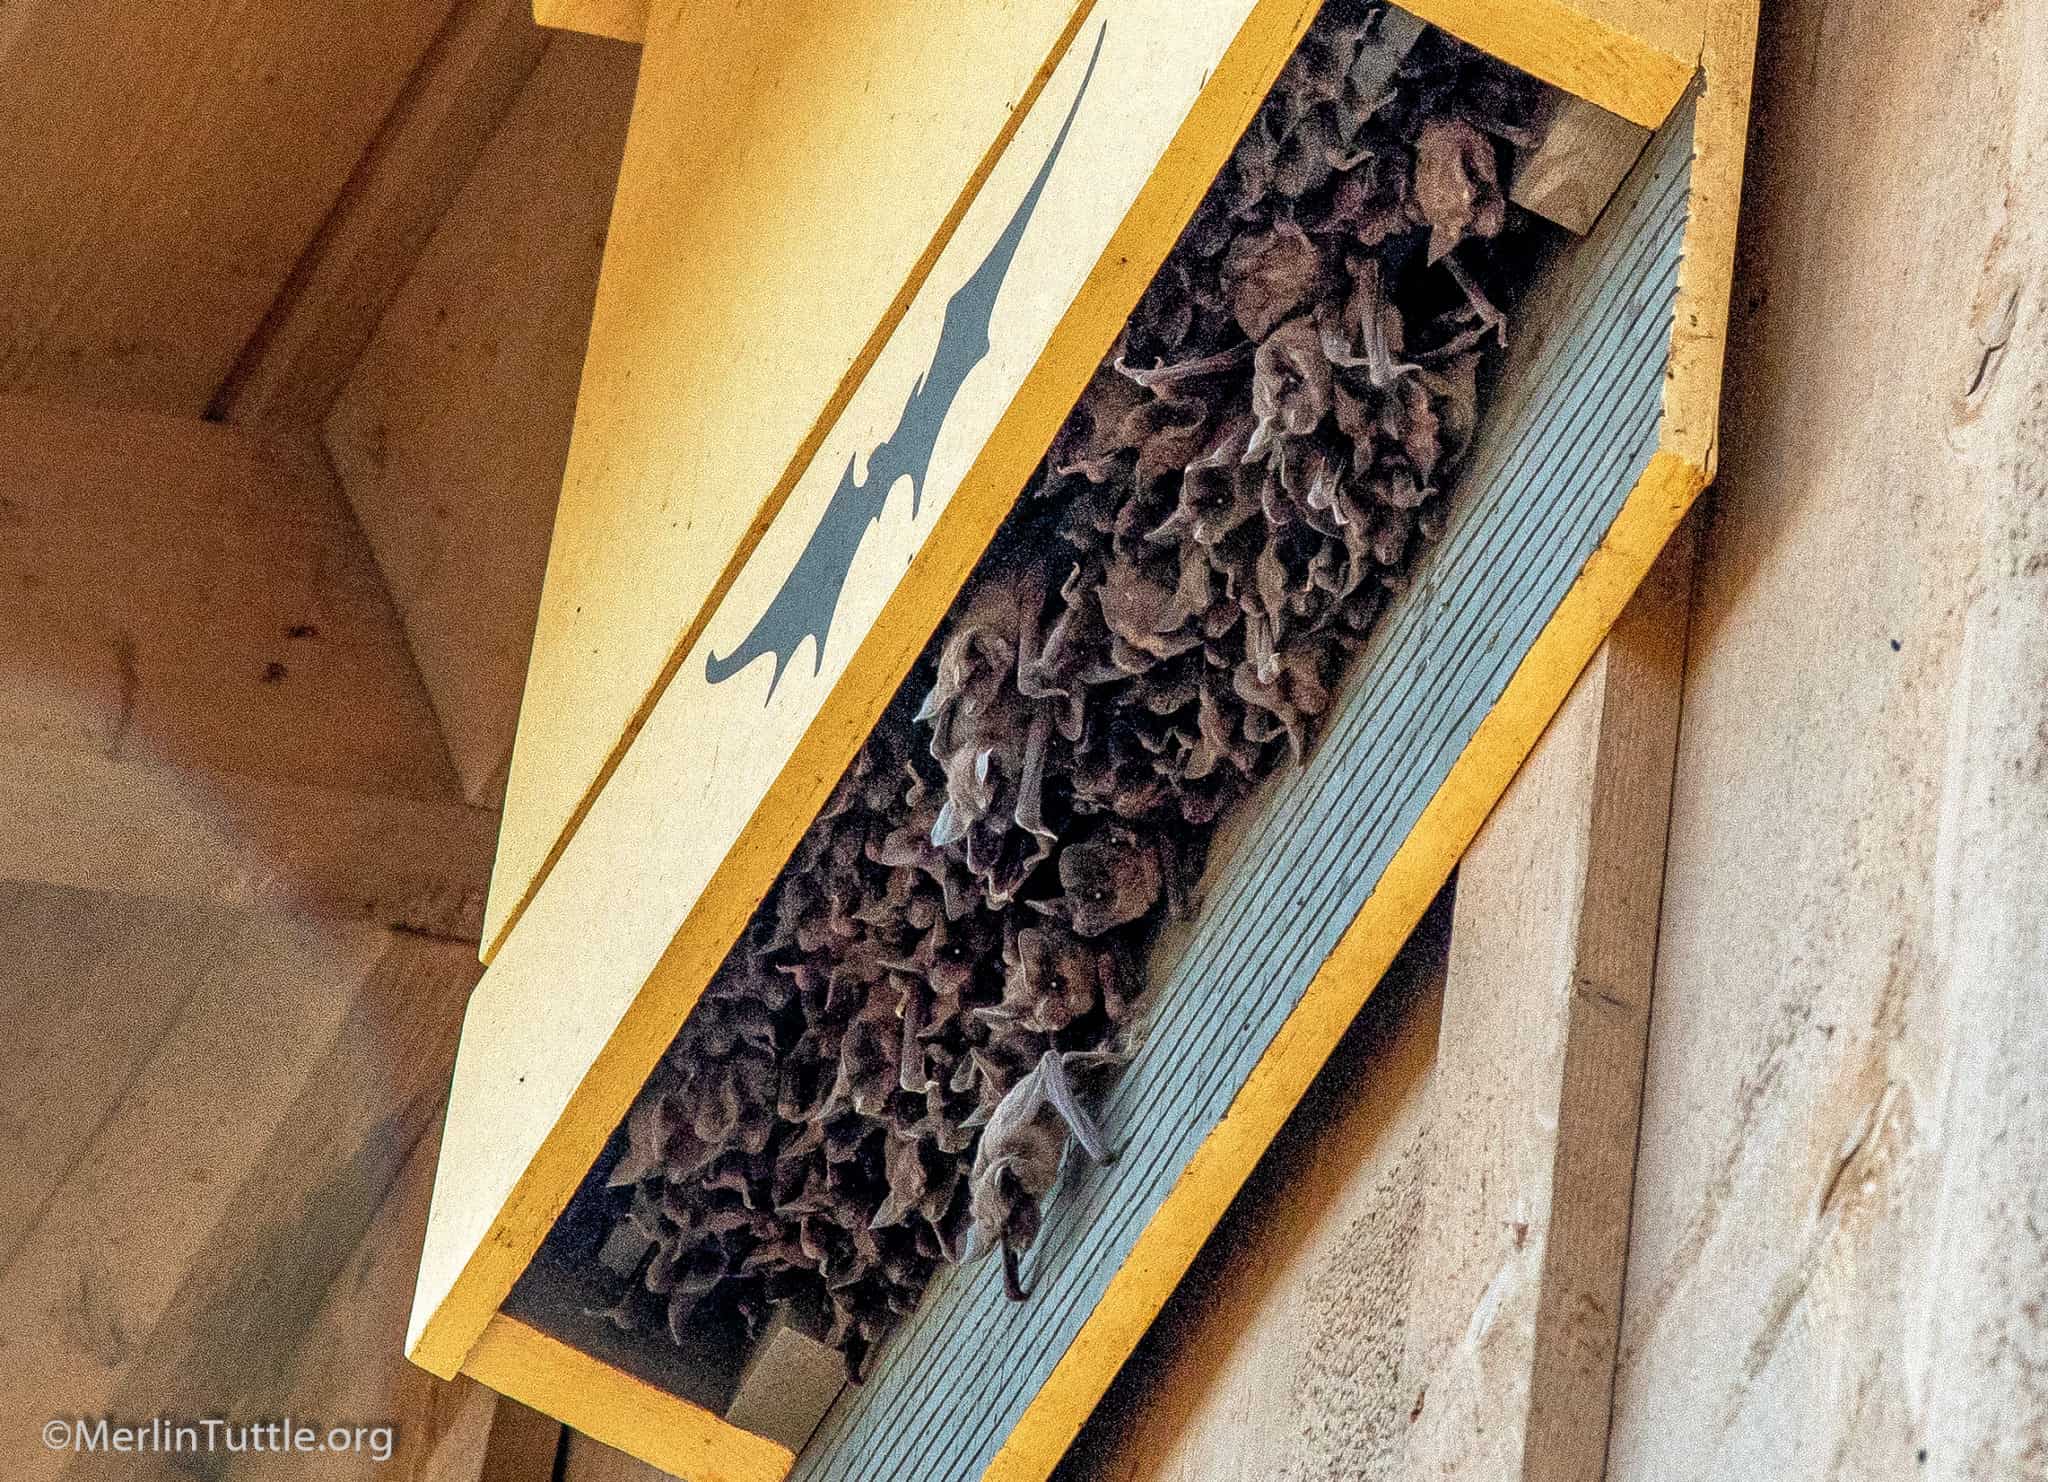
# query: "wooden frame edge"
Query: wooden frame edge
{"points": [[1706, 269], [1566, 44], [611, 1406]]}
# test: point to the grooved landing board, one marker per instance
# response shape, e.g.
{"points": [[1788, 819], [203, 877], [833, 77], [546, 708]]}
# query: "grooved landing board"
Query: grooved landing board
{"points": [[1559, 461]]}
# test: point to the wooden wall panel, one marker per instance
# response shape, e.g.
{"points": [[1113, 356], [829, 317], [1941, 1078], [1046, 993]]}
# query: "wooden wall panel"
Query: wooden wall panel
{"points": [[177, 1251], [1839, 1265], [198, 597], [165, 168], [452, 431], [95, 982]]}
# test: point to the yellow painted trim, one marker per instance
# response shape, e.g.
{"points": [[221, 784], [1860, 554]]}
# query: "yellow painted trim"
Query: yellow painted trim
{"points": [[1706, 272], [1341, 986], [611, 1406], [1632, 57]]}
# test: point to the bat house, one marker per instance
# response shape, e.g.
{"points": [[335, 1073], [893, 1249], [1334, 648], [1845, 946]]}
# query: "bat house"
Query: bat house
{"points": [[853, 292]]}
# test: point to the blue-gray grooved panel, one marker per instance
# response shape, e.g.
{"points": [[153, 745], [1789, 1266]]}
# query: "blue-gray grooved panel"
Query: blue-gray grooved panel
{"points": [[1554, 466]]}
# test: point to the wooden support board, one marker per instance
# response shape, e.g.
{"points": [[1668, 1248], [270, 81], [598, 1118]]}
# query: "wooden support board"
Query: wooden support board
{"points": [[1516, 1275], [1574, 172], [221, 1131], [1614, 417], [701, 410]]}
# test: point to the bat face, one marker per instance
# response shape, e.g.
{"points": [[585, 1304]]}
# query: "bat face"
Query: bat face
{"points": [[809, 596]]}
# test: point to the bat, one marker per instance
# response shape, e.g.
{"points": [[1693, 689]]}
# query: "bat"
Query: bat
{"points": [[809, 597]]}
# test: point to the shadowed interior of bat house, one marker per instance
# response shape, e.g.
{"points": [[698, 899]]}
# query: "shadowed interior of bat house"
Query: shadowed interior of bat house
{"points": [[1247, 484]]}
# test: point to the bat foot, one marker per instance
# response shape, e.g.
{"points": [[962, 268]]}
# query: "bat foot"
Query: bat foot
{"points": [[1012, 1287]]}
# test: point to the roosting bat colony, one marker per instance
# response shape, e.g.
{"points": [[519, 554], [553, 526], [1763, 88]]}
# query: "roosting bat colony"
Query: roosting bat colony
{"points": [[882, 1076]]}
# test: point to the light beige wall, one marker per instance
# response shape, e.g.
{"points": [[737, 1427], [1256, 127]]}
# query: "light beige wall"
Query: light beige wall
{"points": [[1840, 1246]]}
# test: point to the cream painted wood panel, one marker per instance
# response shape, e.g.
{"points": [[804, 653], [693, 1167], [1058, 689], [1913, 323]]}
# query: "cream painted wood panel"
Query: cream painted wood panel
{"points": [[756, 262]]}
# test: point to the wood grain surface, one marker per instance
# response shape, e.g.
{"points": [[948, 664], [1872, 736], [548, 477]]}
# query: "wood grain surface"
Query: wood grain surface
{"points": [[166, 167], [1837, 1264]]}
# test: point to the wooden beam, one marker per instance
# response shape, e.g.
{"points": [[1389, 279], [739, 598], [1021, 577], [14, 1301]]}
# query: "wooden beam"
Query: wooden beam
{"points": [[452, 431], [1538, 1084], [295, 364], [1841, 1229], [622, 20], [205, 688], [165, 168], [1585, 154], [1285, 1338], [75, 818], [756, 265]]}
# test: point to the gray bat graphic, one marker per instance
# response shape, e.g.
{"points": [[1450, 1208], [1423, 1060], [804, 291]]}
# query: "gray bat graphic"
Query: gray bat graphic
{"points": [[809, 597]]}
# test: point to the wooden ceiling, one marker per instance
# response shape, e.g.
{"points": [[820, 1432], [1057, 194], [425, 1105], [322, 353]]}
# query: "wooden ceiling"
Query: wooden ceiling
{"points": [[167, 168]]}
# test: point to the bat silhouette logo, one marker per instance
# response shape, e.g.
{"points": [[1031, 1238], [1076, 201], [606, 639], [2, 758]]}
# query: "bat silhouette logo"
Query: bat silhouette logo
{"points": [[809, 597]]}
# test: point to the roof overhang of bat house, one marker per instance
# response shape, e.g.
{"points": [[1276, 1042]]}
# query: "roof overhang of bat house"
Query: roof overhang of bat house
{"points": [[1077, 510]]}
